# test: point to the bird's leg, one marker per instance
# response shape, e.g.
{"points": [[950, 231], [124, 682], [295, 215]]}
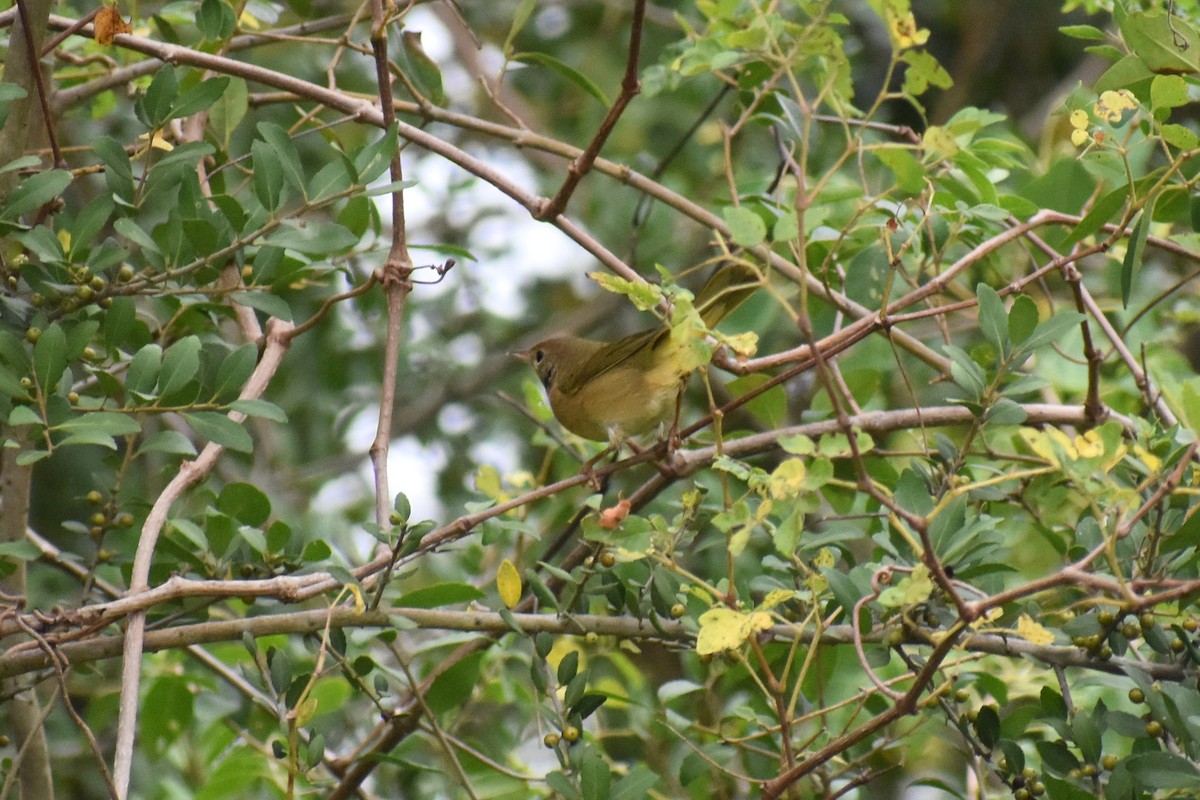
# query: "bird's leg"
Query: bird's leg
{"points": [[589, 468], [673, 440]]}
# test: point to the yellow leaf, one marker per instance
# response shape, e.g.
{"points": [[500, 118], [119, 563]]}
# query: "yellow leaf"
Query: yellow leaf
{"points": [[360, 605], [1089, 445], [107, 24], [1033, 632], [775, 597], [306, 711], [910, 591], [788, 479], [1152, 461], [508, 583], [988, 616], [939, 142], [743, 345], [825, 559], [725, 629], [904, 31], [1113, 106]]}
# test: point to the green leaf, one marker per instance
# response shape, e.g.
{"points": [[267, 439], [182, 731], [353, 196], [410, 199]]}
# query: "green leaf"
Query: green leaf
{"points": [[563, 70], [1087, 736], [1167, 92], [268, 175], [987, 726], [595, 779], [1130, 72], [260, 408], [966, 373], [909, 172], [34, 192], [169, 442], [746, 228], [422, 71], [1088, 33], [136, 235], [1160, 771], [441, 594], [180, 363], [24, 415], [244, 502], [1022, 319], [215, 20], [314, 238], [1164, 45], [636, 784], [199, 97], [993, 319], [455, 685], [229, 109], [270, 304], [375, 158], [1103, 211], [234, 370], [520, 17], [331, 180], [154, 106], [568, 667], [109, 423], [1051, 330], [1180, 136], [142, 376], [50, 357], [1135, 251], [390, 188], [285, 154], [220, 429], [562, 785]]}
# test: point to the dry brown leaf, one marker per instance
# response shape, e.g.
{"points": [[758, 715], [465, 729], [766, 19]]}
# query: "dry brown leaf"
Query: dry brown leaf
{"points": [[612, 517], [108, 23]]}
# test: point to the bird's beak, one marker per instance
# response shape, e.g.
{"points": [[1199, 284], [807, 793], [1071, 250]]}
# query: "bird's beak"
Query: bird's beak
{"points": [[521, 356]]}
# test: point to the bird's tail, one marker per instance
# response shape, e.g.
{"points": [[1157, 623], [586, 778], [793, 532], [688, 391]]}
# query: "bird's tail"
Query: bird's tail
{"points": [[726, 289]]}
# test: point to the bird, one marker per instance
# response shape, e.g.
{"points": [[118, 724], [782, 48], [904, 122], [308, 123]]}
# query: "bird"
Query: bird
{"points": [[608, 391]]}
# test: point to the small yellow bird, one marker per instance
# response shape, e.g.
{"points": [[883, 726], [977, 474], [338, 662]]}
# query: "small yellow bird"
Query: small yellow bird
{"points": [[606, 391]]}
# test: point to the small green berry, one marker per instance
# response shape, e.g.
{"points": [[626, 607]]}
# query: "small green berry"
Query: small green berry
{"points": [[33, 334], [1154, 728], [1136, 695], [95, 498], [571, 734], [551, 740], [678, 610], [1109, 762]]}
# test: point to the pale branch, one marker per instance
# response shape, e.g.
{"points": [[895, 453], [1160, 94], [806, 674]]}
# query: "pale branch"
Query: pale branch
{"points": [[298, 588], [669, 632], [190, 473]]}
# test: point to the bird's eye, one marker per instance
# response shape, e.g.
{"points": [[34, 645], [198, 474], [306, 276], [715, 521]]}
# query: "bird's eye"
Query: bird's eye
{"points": [[538, 355]]}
